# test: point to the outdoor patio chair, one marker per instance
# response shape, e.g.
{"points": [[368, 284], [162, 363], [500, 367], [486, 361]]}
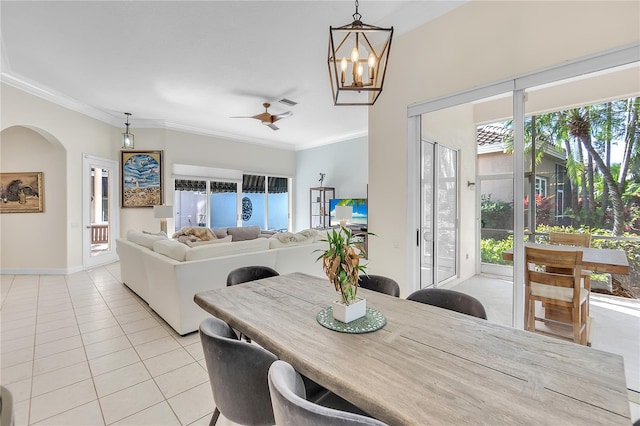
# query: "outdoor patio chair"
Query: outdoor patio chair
{"points": [[556, 289]]}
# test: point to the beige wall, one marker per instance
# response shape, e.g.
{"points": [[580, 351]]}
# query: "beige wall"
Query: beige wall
{"points": [[199, 150], [66, 136], [75, 134], [477, 44], [31, 240]]}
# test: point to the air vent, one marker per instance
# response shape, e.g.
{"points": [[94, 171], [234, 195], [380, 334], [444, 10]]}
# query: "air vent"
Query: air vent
{"points": [[288, 102]]}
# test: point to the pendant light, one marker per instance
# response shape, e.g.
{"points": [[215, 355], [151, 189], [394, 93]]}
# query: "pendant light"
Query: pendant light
{"points": [[358, 55], [127, 138]]}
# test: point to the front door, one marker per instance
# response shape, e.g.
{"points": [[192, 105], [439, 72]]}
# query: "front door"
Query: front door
{"points": [[100, 210]]}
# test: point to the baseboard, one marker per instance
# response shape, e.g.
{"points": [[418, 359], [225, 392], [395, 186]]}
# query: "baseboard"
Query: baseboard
{"points": [[41, 271]]}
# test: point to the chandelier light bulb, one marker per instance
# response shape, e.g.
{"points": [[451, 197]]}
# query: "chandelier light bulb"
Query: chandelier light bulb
{"points": [[372, 64], [343, 67], [355, 55]]}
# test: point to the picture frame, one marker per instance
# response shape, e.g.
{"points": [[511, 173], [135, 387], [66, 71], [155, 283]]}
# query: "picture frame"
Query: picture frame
{"points": [[22, 192], [141, 182]]}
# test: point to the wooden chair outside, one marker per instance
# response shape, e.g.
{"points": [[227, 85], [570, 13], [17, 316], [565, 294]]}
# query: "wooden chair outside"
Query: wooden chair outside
{"points": [[576, 240], [566, 239], [556, 289]]}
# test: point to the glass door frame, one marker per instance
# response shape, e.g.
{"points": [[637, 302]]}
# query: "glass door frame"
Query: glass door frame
{"points": [[435, 225], [109, 255], [517, 85]]}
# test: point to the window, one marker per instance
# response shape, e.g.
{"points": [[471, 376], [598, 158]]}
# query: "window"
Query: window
{"points": [[265, 206], [541, 186], [233, 199]]}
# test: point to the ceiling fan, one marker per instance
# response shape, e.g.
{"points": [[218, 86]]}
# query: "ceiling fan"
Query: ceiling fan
{"points": [[268, 119]]}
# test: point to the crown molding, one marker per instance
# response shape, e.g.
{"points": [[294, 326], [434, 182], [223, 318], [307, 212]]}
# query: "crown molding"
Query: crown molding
{"points": [[341, 138], [57, 98], [117, 121], [228, 136]]}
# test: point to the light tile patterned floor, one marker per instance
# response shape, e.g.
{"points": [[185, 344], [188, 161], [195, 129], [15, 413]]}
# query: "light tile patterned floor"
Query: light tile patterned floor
{"points": [[83, 349]]}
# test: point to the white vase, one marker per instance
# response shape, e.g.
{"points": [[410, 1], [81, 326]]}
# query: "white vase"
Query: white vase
{"points": [[347, 313]]}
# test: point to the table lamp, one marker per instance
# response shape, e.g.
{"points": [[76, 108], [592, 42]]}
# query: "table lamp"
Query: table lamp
{"points": [[163, 213], [344, 213]]}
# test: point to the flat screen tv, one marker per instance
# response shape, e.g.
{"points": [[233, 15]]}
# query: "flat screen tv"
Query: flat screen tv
{"points": [[359, 215]]}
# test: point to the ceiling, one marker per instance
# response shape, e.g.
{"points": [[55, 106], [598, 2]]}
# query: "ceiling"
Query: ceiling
{"points": [[192, 65]]}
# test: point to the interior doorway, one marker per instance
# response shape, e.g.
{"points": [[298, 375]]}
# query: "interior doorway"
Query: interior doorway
{"points": [[100, 210]]}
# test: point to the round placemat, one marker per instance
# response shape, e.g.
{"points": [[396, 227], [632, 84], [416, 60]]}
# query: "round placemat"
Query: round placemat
{"points": [[372, 321]]}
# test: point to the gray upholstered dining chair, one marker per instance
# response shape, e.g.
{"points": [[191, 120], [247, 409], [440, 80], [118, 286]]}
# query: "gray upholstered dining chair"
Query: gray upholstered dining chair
{"points": [[238, 375], [451, 300], [250, 273], [380, 284], [6, 407], [290, 408]]}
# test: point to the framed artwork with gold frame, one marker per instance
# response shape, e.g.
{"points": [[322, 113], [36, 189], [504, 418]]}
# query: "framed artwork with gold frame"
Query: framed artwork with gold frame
{"points": [[141, 178], [22, 192]]}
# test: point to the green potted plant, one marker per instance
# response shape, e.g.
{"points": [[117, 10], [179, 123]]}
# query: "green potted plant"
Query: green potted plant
{"points": [[341, 263]]}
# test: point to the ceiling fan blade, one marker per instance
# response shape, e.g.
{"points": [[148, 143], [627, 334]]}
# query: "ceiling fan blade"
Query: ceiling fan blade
{"points": [[244, 116], [273, 126], [277, 117], [283, 115]]}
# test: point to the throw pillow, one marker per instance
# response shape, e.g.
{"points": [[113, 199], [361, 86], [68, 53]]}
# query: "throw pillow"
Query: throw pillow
{"points": [[226, 239], [203, 233], [244, 233], [309, 233], [159, 234], [220, 232], [185, 239], [288, 237]]}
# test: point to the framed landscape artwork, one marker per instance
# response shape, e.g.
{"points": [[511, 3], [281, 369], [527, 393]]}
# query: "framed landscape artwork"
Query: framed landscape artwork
{"points": [[141, 179], [22, 192]]}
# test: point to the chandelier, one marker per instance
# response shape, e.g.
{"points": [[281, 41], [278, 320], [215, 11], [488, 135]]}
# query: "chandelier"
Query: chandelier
{"points": [[358, 55]]}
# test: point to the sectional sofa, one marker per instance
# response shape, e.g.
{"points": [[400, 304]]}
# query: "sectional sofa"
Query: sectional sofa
{"points": [[167, 273]]}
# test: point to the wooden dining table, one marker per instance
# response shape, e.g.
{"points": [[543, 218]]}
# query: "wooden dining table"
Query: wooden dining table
{"points": [[427, 365], [600, 260]]}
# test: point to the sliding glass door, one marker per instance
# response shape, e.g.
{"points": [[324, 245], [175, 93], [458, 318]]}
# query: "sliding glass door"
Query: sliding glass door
{"points": [[256, 201], [439, 214]]}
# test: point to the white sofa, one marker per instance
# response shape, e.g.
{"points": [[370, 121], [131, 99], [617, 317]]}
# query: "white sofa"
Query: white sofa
{"points": [[167, 274]]}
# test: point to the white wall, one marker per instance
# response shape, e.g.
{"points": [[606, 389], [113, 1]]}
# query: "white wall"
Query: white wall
{"points": [[476, 44], [346, 167]]}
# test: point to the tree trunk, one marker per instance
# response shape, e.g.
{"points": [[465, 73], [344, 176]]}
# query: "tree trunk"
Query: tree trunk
{"points": [[631, 124], [583, 178], [604, 204], [616, 196], [580, 127], [590, 186]]}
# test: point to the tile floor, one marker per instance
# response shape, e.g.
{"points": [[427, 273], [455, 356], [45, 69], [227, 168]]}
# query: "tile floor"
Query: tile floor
{"points": [[82, 349]]}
